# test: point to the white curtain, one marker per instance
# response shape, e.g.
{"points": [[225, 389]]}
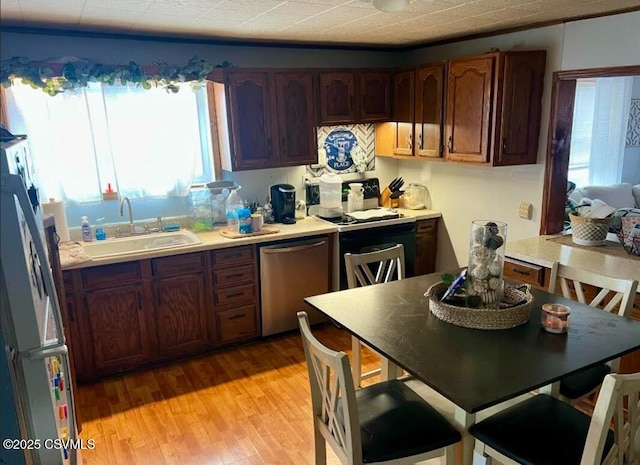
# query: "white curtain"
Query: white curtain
{"points": [[144, 143], [610, 121]]}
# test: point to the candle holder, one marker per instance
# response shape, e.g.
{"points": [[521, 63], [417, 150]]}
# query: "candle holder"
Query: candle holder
{"points": [[486, 262], [555, 318]]}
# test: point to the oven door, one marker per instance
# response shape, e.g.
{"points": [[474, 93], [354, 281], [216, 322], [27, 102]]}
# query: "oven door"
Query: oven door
{"points": [[378, 238]]}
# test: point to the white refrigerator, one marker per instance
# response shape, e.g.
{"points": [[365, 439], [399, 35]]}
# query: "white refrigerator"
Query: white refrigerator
{"points": [[37, 400]]}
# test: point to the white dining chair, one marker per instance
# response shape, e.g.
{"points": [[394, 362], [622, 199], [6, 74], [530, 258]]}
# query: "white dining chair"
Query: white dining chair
{"points": [[612, 295], [365, 269], [544, 430], [386, 423]]}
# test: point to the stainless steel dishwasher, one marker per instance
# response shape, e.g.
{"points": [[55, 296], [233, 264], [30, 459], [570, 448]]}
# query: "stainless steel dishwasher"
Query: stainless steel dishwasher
{"points": [[289, 272]]}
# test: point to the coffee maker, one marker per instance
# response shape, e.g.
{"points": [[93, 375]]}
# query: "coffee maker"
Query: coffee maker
{"points": [[283, 200]]}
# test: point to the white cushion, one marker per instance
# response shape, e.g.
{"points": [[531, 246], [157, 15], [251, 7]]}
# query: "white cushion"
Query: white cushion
{"points": [[635, 190], [616, 195]]}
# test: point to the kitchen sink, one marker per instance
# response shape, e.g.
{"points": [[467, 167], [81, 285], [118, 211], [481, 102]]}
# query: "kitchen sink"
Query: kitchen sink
{"points": [[137, 244]]}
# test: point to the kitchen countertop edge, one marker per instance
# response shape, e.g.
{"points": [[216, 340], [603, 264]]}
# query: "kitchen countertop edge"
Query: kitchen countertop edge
{"points": [[211, 240]]}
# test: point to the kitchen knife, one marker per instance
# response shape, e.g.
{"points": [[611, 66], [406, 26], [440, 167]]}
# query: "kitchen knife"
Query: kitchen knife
{"points": [[394, 186], [396, 194]]}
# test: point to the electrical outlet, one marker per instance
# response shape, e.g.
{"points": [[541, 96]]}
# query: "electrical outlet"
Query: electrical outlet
{"points": [[525, 210]]}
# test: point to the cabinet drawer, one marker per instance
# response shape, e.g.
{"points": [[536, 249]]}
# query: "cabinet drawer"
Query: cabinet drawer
{"points": [[233, 295], [237, 324], [232, 256], [111, 275], [178, 264], [525, 272], [427, 227], [233, 276]]}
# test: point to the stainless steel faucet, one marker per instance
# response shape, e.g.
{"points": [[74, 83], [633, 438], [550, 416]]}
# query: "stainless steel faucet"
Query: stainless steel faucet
{"points": [[132, 228]]}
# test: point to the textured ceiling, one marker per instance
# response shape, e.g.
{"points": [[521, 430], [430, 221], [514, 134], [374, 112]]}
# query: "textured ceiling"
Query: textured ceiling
{"points": [[354, 22]]}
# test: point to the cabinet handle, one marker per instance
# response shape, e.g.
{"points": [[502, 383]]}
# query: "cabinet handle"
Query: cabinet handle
{"points": [[450, 144], [525, 273], [236, 294], [235, 275], [237, 317], [269, 148], [504, 144], [410, 141], [420, 141], [235, 255]]}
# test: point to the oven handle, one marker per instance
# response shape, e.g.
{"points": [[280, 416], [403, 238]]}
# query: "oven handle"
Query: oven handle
{"points": [[296, 248]]}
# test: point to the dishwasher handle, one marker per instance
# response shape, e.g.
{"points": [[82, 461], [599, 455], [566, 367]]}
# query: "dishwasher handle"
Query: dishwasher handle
{"points": [[295, 248]]}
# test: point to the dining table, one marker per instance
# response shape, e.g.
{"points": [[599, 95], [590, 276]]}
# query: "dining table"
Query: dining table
{"points": [[474, 368]]}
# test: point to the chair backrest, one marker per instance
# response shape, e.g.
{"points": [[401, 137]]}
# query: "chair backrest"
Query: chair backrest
{"points": [[387, 263], [610, 406], [333, 396], [622, 291]]}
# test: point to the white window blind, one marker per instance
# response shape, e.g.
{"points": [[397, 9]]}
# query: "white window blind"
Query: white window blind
{"points": [[145, 143]]}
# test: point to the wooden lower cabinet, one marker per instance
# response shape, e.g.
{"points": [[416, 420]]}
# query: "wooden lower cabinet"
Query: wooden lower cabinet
{"points": [[180, 315], [140, 313], [118, 330], [426, 246]]}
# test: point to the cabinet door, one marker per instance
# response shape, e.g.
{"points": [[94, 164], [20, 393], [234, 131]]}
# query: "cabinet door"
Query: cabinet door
{"points": [[428, 113], [375, 97], [118, 330], [469, 102], [403, 111], [250, 116], [426, 247], [80, 354], [180, 315], [519, 128], [337, 98], [296, 119]]}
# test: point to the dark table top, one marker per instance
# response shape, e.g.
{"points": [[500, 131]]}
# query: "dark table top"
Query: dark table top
{"points": [[474, 368]]}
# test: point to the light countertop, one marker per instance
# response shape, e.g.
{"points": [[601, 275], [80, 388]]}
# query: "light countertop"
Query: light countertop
{"points": [[72, 257], [543, 252]]}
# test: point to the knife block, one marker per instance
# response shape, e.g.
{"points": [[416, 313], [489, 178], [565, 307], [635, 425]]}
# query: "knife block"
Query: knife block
{"points": [[386, 200]]}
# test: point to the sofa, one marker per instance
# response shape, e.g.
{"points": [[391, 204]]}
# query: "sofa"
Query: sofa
{"points": [[624, 197]]}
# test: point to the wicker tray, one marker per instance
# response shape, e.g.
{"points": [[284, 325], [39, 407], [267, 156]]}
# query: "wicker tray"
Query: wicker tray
{"points": [[482, 318]]}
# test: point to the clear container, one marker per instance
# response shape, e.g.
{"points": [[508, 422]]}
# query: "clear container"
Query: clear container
{"points": [[555, 318], [101, 234], [233, 206], [330, 195], [416, 197], [199, 209], [486, 260]]}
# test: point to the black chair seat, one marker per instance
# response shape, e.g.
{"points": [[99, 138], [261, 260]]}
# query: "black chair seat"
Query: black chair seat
{"points": [[395, 422], [539, 431], [579, 384]]}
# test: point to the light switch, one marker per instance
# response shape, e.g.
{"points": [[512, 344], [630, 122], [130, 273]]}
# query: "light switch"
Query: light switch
{"points": [[525, 210]]}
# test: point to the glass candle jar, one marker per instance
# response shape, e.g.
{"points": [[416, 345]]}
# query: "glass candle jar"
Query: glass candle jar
{"points": [[486, 260], [555, 318]]}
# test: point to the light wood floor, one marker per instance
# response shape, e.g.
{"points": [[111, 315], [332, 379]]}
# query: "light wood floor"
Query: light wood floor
{"points": [[248, 405]]}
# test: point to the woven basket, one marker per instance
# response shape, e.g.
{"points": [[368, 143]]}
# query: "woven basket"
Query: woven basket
{"points": [[589, 231], [482, 318]]}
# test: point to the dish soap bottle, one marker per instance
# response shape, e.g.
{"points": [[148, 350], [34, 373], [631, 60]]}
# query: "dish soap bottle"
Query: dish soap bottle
{"points": [[101, 235], [86, 229]]}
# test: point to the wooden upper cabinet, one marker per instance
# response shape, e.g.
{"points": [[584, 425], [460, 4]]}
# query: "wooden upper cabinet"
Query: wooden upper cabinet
{"points": [[250, 118], [271, 119], [349, 97], [493, 108], [469, 100], [296, 118], [337, 98], [375, 97], [519, 129], [428, 111], [403, 96]]}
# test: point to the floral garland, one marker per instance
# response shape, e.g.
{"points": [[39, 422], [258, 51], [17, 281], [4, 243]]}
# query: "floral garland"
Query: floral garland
{"points": [[54, 77]]}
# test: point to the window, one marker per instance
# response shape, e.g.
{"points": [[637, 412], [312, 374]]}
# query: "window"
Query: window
{"points": [[145, 143], [600, 119]]}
